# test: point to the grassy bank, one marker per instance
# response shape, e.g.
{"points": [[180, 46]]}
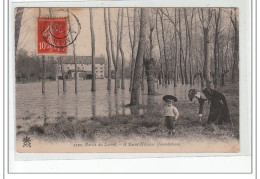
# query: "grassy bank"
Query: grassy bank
{"points": [[149, 124]]}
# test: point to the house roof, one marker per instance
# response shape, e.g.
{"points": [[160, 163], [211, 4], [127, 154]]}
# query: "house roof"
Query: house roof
{"points": [[79, 70], [82, 60]]}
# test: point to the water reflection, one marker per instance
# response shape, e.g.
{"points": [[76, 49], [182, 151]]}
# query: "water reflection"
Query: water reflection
{"points": [[44, 109], [76, 106], [134, 110], [109, 103], [93, 104], [150, 102], [116, 103], [62, 105], [29, 100], [123, 102]]}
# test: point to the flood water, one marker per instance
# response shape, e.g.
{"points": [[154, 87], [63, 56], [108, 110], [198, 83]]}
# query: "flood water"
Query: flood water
{"points": [[31, 102]]}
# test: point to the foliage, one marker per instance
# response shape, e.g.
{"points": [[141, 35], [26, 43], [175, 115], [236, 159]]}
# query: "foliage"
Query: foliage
{"points": [[29, 68]]}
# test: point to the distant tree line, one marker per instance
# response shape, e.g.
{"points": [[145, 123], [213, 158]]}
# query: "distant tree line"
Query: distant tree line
{"points": [[29, 68]]}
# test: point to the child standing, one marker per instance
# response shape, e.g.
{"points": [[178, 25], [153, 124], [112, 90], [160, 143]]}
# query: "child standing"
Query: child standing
{"points": [[171, 115]]}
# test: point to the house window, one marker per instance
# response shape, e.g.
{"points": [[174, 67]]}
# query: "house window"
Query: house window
{"points": [[101, 71], [78, 67], [68, 68], [82, 67]]}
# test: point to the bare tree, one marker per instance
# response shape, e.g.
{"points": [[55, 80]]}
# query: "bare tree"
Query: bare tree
{"points": [[216, 47], [93, 85], [167, 80], [112, 47], [132, 43], [117, 85], [205, 22], [43, 74], [176, 49], [63, 76], [18, 20], [185, 57], [181, 48], [161, 74], [225, 52], [139, 58], [235, 70], [122, 52], [57, 73], [108, 52], [149, 61], [74, 55], [111, 38], [189, 40], [43, 66]]}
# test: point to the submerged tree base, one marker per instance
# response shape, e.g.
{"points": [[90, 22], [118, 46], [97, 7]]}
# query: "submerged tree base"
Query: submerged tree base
{"points": [[149, 123]]}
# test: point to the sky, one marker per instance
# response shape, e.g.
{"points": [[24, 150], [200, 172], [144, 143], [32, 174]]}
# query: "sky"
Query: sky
{"points": [[28, 33]]}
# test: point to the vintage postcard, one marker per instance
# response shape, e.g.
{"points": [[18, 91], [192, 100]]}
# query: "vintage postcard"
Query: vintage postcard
{"points": [[127, 79]]}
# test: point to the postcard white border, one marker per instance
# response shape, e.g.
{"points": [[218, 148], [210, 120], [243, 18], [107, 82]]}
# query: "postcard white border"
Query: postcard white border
{"points": [[242, 163]]}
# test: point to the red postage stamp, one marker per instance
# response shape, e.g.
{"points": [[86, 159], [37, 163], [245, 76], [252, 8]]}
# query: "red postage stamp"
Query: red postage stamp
{"points": [[52, 35]]}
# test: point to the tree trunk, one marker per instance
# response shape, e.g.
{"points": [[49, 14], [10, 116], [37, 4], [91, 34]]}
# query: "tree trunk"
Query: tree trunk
{"points": [[132, 43], [111, 39], [43, 74], [175, 68], [108, 52], [117, 85], [112, 49], [191, 62], [176, 51], [43, 64], [235, 69], [143, 74], [139, 58], [190, 55], [57, 76], [167, 81], [186, 48], [206, 68], [181, 50], [63, 78], [189, 36], [149, 64], [150, 74], [122, 52], [216, 47], [160, 51], [74, 58], [18, 20], [205, 27], [93, 84]]}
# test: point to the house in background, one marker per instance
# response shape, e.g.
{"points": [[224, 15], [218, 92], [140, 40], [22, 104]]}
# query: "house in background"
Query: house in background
{"points": [[84, 67]]}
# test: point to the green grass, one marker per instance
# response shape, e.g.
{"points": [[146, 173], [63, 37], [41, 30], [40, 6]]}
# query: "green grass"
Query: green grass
{"points": [[149, 124]]}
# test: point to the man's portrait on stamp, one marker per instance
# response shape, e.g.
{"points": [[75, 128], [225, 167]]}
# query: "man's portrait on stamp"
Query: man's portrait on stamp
{"points": [[127, 80]]}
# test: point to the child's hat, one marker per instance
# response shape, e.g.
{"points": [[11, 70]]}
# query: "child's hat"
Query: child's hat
{"points": [[167, 98]]}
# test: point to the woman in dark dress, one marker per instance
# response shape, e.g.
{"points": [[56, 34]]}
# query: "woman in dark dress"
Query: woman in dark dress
{"points": [[219, 111]]}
